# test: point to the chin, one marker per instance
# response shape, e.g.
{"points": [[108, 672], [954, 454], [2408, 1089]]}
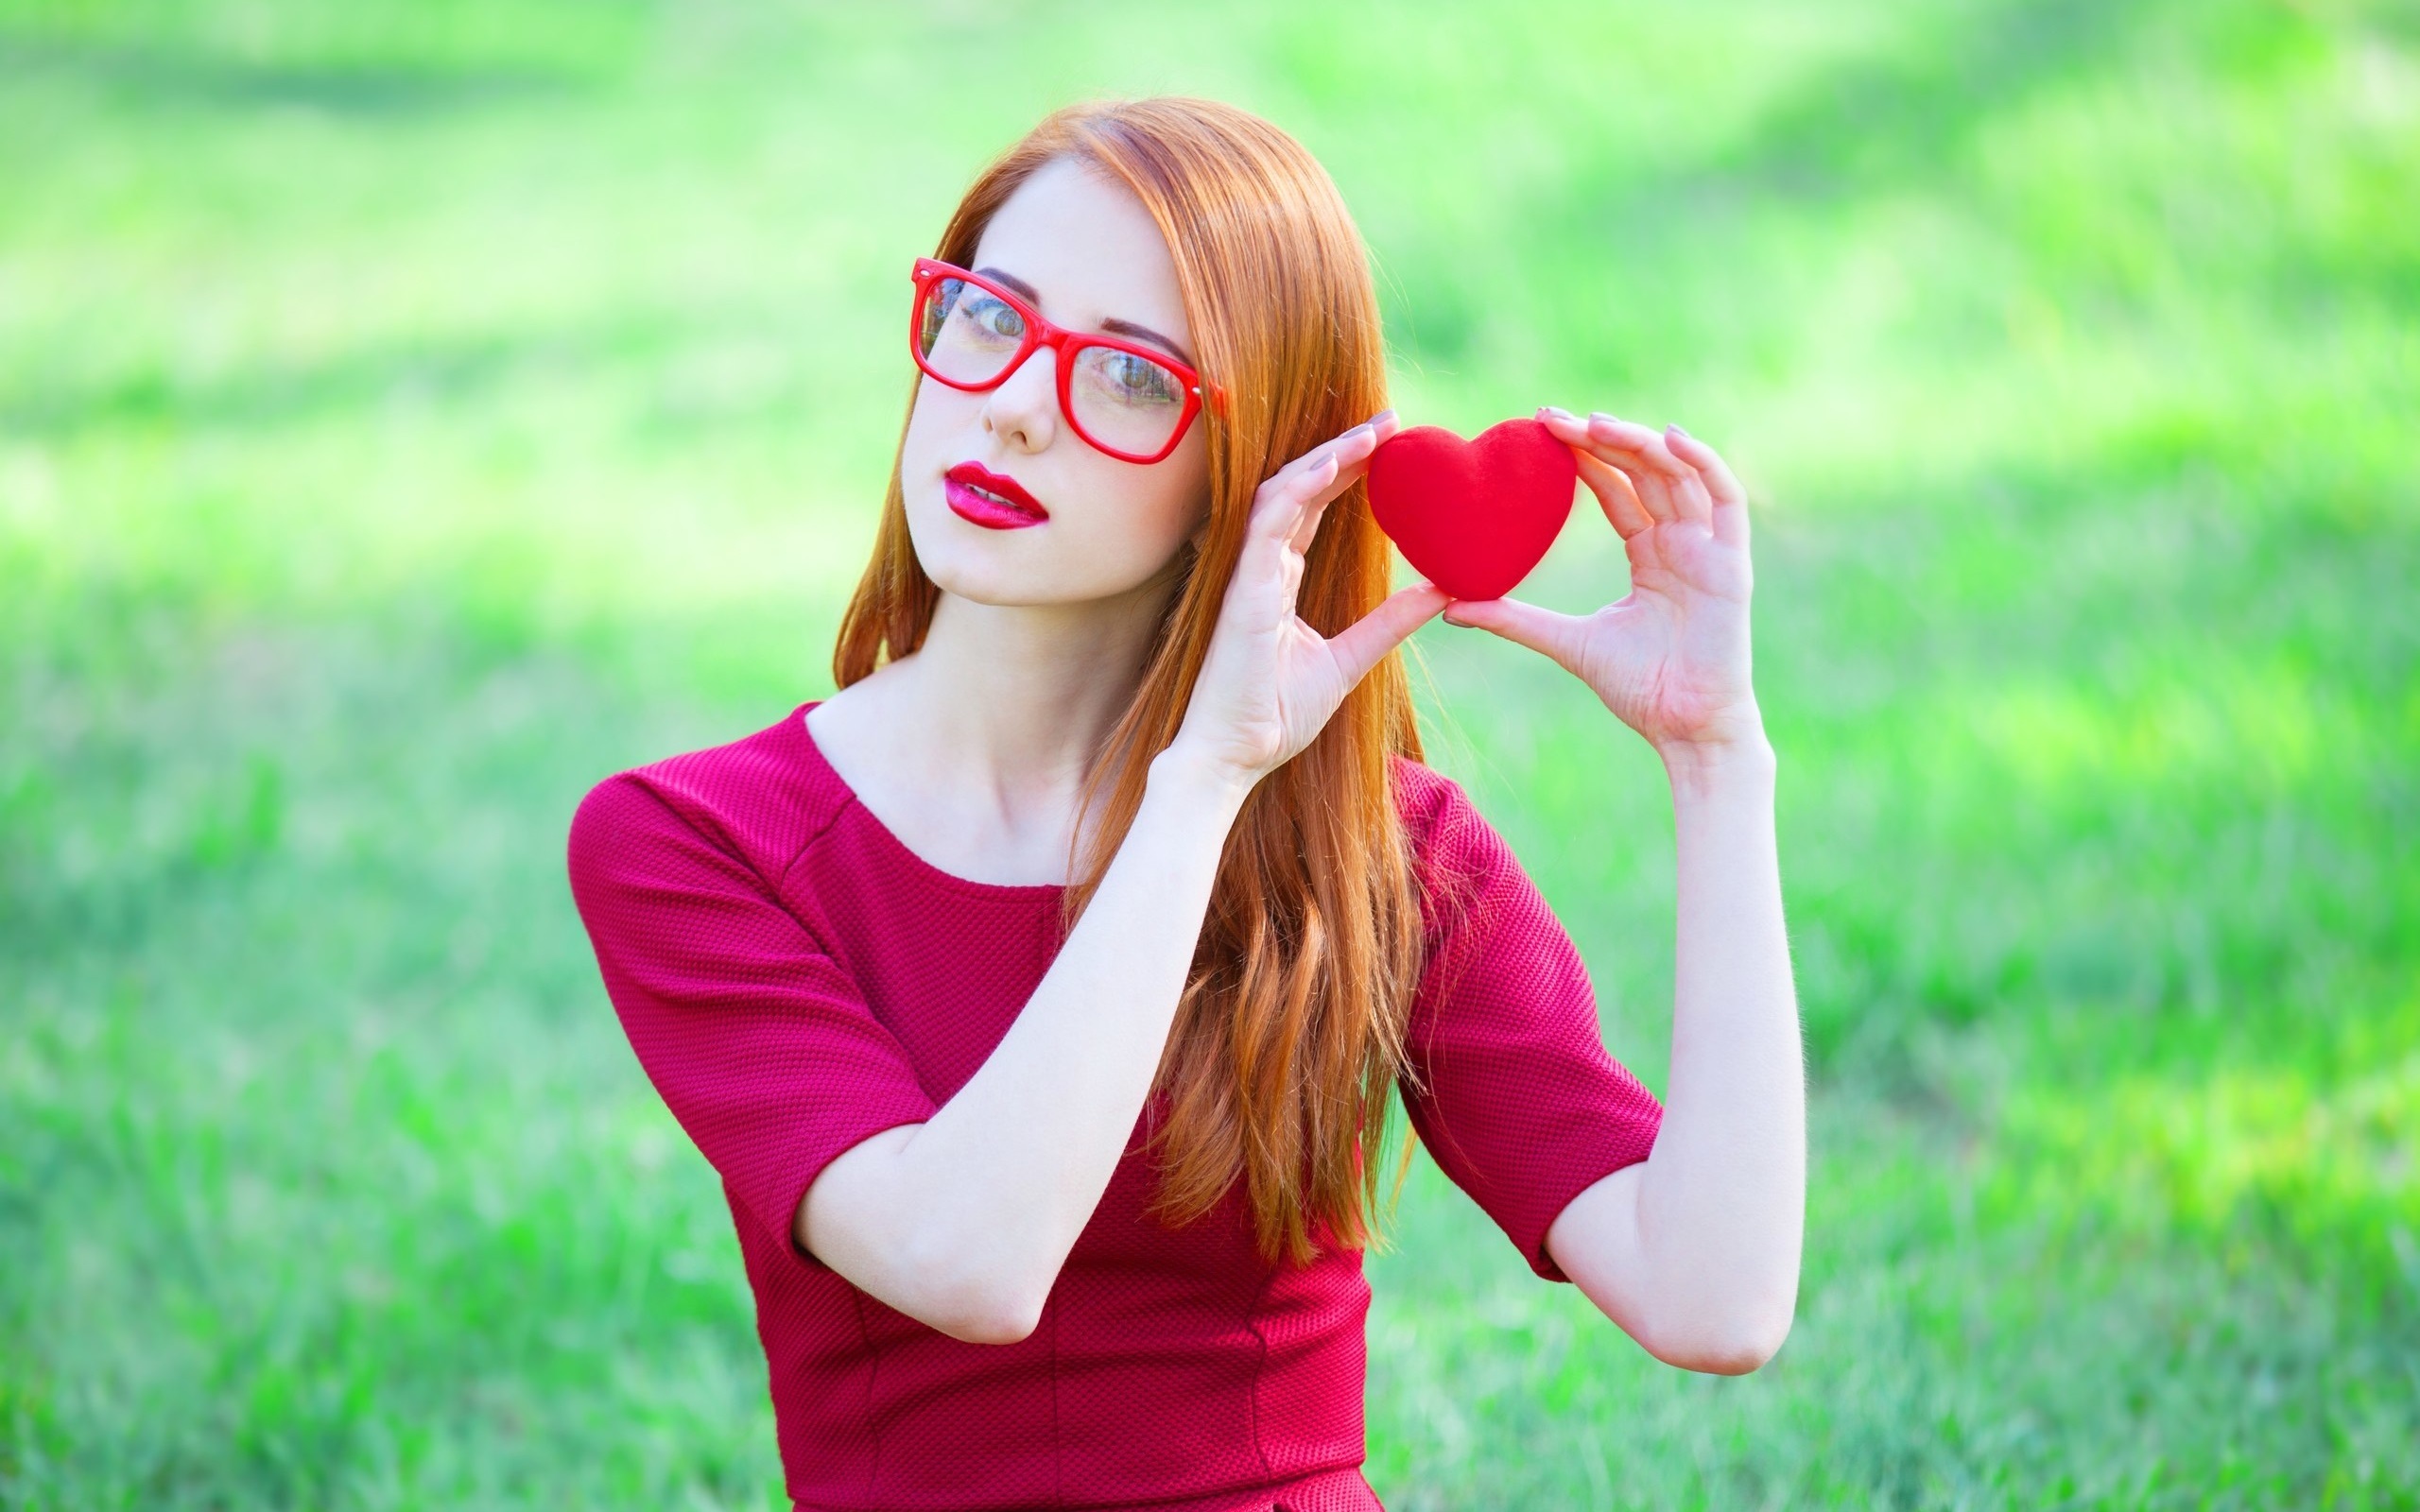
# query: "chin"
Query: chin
{"points": [[988, 570], [1001, 568], [983, 587], [1005, 582]]}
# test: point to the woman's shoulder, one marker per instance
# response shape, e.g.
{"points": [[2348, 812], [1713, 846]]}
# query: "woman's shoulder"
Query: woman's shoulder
{"points": [[762, 797], [1454, 851], [1434, 807]]}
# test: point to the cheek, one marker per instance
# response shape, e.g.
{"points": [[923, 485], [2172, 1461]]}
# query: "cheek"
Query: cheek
{"points": [[1174, 493], [931, 418], [1157, 512]]}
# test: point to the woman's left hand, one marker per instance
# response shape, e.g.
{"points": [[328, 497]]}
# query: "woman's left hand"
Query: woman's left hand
{"points": [[1670, 658]]}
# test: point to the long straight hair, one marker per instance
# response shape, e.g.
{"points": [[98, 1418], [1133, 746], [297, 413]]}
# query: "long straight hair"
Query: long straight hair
{"points": [[1290, 1036]]}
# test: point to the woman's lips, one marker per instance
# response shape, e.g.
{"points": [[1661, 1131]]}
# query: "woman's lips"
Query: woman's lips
{"points": [[986, 498]]}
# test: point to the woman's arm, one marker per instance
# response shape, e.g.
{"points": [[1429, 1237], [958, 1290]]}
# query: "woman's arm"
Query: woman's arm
{"points": [[1694, 1251], [965, 1220]]}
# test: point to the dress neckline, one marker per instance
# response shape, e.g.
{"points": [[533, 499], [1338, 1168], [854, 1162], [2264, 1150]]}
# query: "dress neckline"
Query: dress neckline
{"points": [[1003, 891]]}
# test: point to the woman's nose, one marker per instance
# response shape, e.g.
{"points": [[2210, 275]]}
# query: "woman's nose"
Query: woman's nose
{"points": [[1024, 410]]}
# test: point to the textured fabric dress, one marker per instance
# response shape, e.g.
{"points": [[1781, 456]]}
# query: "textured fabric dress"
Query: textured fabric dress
{"points": [[793, 979]]}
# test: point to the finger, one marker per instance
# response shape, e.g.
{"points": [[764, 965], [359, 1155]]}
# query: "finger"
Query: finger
{"points": [[1722, 486], [1306, 530], [1283, 505], [1540, 628], [1614, 493], [1669, 488], [1344, 461], [1623, 500], [1359, 645], [1351, 449], [1649, 487], [1321, 490], [1355, 447], [1294, 493], [1352, 465], [1563, 425], [1307, 526]]}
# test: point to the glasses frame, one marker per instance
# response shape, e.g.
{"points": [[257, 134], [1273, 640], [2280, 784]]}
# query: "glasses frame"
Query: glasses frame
{"points": [[1040, 333]]}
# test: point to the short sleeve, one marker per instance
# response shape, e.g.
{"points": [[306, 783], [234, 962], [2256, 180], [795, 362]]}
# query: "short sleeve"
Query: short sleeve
{"points": [[1524, 1108], [756, 1037]]}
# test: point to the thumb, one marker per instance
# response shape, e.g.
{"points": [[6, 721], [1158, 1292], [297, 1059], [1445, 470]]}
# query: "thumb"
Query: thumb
{"points": [[1360, 645], [1540, 629]]}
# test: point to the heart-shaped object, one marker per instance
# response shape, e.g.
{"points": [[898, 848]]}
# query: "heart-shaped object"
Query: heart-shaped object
{"points": [[1473, 516]]}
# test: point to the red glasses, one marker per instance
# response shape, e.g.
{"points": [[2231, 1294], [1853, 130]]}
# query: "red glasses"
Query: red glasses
{"points": [[1128, 400]]}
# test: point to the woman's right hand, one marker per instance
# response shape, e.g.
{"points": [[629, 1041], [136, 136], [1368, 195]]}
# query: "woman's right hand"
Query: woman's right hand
{"points": [[1270, 682]]}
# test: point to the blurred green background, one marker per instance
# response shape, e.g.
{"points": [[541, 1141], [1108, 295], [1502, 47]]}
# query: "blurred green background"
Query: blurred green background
{"points": [[413, 410]]}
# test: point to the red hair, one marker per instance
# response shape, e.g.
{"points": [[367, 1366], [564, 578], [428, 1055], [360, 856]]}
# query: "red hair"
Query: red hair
{"points": [[1290, 1036]]}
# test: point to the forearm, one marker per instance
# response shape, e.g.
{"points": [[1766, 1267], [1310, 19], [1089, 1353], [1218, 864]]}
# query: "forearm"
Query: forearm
{"points": [[1005, 1175], [1721, 1201]]}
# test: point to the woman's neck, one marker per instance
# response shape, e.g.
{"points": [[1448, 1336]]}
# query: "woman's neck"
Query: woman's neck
{"points": [[1020, 696], [974, 747]]}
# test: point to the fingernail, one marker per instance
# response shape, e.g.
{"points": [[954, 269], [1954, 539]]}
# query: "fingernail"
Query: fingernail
{"points": [[1384, 414], [1677, 431], [1560, 413]]}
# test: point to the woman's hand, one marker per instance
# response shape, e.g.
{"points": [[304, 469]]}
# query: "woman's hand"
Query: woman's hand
{"points": [[1270, 681], [1670, 659]]}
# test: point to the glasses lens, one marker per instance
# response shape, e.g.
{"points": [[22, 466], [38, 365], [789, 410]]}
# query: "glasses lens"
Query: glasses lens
{"points": [[966, 332], [1125, 402]]}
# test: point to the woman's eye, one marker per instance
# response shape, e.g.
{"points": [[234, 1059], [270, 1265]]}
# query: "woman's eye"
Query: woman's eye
{"points": [[1137, 379], [992, 318]]}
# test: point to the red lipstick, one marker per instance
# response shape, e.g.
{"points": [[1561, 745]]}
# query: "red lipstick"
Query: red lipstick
{"points": [[983, 497]]}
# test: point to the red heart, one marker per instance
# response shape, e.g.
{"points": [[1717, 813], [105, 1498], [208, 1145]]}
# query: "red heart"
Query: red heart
{"points": [[1473, 516]]}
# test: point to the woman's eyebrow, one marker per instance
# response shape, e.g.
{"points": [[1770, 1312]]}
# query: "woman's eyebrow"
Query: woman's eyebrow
{"points": [[1144, 332], [1113, 325]]}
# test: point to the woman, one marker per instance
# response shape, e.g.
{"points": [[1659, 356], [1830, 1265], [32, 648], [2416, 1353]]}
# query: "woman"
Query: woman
{"points": [[1037, 994]]}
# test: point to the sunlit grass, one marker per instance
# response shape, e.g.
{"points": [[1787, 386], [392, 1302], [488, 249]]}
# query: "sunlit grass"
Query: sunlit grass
{"points": [[411, 414]]}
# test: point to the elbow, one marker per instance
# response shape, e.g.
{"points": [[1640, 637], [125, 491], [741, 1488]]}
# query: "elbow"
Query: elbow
{"points": [[918, 1259], [991, 1323], [1739, 1359], [972, 1303], [1735, 1351]]}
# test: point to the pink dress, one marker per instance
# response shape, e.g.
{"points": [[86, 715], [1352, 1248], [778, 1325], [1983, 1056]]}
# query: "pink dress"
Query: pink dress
{"points": [[793, 979]]}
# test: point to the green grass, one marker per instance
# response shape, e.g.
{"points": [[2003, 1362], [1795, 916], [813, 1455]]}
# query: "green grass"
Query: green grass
{"points": [[411, 413]]}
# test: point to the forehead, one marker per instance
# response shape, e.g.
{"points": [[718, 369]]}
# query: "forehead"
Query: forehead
{"points": [[1086, 244]]}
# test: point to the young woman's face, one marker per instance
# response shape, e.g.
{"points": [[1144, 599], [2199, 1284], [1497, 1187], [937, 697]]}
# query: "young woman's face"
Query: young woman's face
{"points": [[1093, 261]]}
